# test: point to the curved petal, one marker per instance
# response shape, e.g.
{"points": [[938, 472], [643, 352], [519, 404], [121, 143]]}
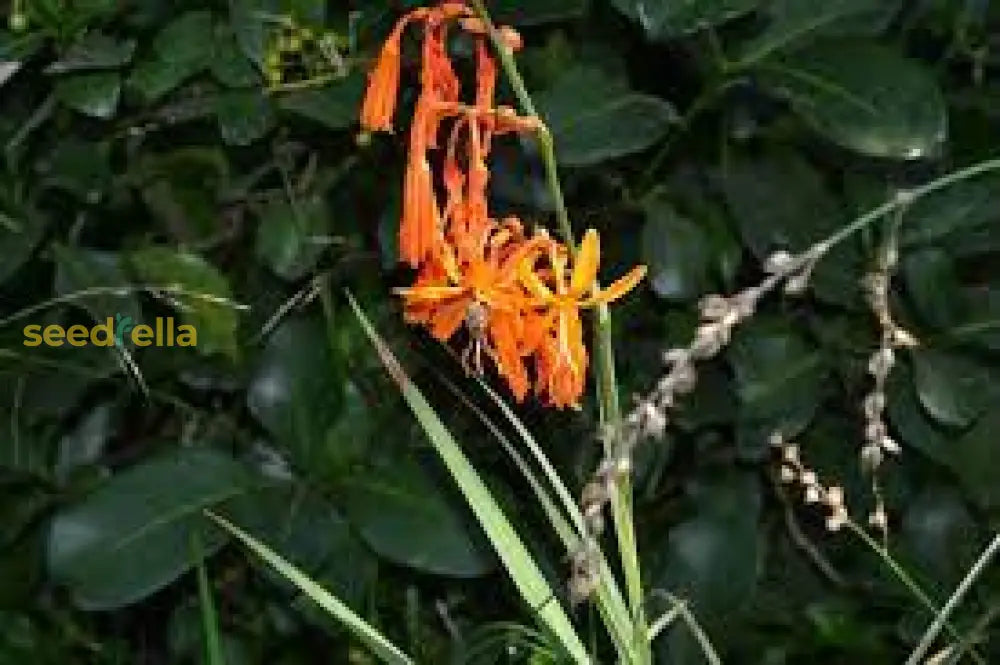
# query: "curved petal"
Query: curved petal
{"points": [[529, 278], [588, 259], [618, 288], [424, 293]]}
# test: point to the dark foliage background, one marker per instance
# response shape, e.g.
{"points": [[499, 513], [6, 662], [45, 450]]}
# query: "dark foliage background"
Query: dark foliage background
{"points": [[141, 145]]}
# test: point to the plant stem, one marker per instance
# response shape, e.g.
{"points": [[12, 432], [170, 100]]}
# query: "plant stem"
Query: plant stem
{"points": [[209, 617], [621, 501], [939, 621]]}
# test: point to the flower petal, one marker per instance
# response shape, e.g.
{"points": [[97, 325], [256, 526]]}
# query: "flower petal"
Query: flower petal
{"points": [[588, 259], [618, 288]]}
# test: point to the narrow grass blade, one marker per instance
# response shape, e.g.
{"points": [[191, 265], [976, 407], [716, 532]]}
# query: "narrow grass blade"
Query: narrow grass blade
{"points": [[209, 617], [379, 645], [530, 582]]}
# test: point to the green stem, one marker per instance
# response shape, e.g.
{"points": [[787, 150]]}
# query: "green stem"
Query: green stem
{"points": [[209, 617], [621, 501]]}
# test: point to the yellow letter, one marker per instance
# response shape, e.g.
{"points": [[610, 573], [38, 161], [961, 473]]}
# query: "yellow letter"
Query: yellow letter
{"points": [[54, 335], [142, 335], [108, 328], [77, 335], [187, 335], [31, 336]]}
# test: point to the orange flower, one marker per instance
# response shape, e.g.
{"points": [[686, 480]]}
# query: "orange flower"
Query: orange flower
{"points": [[379, 104], [562, 357], [484, 294]]}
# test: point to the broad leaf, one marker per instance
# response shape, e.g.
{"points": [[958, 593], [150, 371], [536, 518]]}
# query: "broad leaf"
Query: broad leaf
{"points": [[130, 537], [292, 238], [950, 387], [677, 252], [95, 50], [204, 295], [539, 11], [665, 19], [595, 117], [244, 116], [95, 94], [334, 106], [864, 97], [779, 380]]}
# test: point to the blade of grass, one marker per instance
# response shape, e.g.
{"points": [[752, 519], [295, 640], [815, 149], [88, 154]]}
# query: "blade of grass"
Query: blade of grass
{"points": [[530, 582], [379, 645], [610, 602], [609, 599], [942, 617], [209, 617]]}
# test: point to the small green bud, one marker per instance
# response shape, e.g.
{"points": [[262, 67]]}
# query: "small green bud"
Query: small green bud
{"points": [[363, 139]]}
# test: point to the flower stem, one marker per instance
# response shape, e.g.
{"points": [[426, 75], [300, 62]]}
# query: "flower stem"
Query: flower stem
{"points": [[621, 501]]}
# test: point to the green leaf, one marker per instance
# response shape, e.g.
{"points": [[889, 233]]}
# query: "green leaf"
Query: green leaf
{"points": [[677, 252], [515, 12], [863, 96], [931, 283], [797, 22], [781, 202], [779, 381], [950, 387], [387, 651], [959, 207], [939, 535], [290, 238], [297, 391], [244, 116], [405, 518], [530, 582], [95, 50], [975, 458], [595, 117], [80, 269], [85, 444], [182, 49], [15, 51], [206, 302], [230, 65], [335, 106], [314, 536], [129, 538], [668, 19], [95, 94]]}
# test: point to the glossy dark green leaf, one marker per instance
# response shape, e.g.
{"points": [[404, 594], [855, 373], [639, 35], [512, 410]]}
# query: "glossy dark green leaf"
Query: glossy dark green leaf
{"points": [[939, 534], [79, 269], [863, 96], [244, 116], [334, 106], [957, 208], [980, 327], [665, 19], [95, 94], [130, 537], [96, 50], [781, 202], [912, 424], [975, 458], [949, 386], [291, 238], [594, 117], [407, 519], [297, 390], [15, 50], [230, 65], [931, 281], [540, 11], [182, 49], [779, 381], [314, 536], [677, 253], [206, 302], [794, 23]]}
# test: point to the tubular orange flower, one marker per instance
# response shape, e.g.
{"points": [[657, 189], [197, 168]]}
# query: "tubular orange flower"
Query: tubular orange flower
{"points": [[562, 356], [379, 104]]}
